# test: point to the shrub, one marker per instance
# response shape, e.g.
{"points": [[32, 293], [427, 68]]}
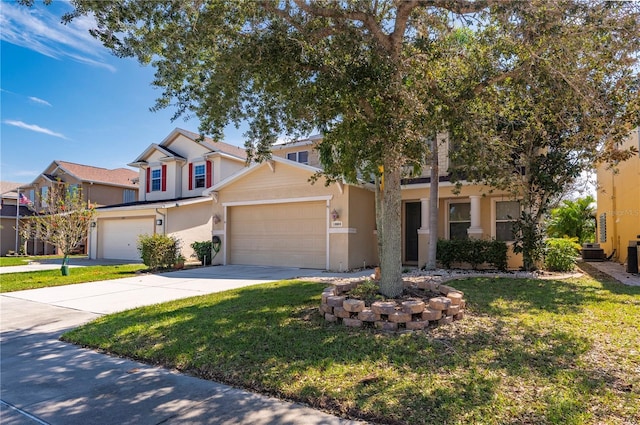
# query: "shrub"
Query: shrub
{"points": [[367, 291], [158, 251], [560, 254], [203, 252], [473, 252]]}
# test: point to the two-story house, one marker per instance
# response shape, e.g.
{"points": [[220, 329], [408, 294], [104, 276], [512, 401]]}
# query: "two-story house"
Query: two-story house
{"points": [[172, 175], [11, 214], [270, 214], [99, 186], [618, 210]]}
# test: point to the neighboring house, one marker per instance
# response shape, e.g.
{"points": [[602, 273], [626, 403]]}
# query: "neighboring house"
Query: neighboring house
{"points": [[618, 211], [100, 186], [9, 217], [173, 176]]}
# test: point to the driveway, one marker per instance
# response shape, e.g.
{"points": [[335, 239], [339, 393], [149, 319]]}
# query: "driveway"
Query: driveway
{"points": [[45, 381]]}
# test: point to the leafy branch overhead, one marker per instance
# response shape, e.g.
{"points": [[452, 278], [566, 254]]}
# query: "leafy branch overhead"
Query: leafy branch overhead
{"points": [[380, 78]]}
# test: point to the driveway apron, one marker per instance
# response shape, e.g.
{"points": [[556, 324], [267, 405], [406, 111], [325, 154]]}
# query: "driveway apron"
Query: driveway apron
{"points": [[46, 381]]}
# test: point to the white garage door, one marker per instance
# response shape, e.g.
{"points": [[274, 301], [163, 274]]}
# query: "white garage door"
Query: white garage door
{"points": [[289, 235], [119, 237]]}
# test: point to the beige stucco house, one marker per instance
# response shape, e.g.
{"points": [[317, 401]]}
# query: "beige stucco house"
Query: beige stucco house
{"points": [[271, 214], [172, 176], [618, 210]]}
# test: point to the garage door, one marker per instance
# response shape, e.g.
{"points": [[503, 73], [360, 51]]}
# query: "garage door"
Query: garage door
{"points": [[289, 235], [119, 238]]}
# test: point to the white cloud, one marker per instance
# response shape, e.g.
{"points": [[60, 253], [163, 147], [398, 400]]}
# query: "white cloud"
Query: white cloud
{"points": [[37, 28], [39, 101], [36, 128]]}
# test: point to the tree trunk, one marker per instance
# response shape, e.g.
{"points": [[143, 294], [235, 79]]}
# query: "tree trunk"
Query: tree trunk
{"points": [[378, 207], [433, 207], [391, 259]]}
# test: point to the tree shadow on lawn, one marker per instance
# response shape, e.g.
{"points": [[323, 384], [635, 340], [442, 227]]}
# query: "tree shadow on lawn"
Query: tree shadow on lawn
{"points": [[270, 338]]}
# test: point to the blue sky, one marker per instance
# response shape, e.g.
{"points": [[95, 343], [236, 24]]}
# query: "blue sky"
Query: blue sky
{"points": [[65, 97]]}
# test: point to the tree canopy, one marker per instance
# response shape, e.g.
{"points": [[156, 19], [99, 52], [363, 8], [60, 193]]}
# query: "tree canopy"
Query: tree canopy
{"points": [[377, 78]]}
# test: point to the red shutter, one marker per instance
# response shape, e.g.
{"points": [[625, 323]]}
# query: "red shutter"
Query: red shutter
{"points": [[164, 177], [209, 174], [148, 180], [190, 176]]}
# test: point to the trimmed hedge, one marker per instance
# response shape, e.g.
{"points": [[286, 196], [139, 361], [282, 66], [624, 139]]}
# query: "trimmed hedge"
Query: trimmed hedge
{"points": [[203, 251], [473, 252], [158, 251]]}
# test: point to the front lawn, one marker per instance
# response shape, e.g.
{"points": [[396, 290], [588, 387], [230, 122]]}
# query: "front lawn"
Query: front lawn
{"points": [[10, 282], [24, 260], [528, 352]]}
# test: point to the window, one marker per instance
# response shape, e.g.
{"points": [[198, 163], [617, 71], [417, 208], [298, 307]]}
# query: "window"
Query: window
{"points": [[199, 174], [507, 212], [44, 192], [156, 179], [129, 195], [72, 189], [301, 157], [603, 227], [459, 220]]}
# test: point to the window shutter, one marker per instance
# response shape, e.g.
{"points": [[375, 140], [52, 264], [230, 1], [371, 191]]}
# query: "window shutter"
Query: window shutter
{"points": [[190, 176], [148, 179], [164, 177], [209, 174]]}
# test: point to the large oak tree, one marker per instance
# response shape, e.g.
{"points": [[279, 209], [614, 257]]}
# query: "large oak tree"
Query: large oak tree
{"points": [[378, 78]]}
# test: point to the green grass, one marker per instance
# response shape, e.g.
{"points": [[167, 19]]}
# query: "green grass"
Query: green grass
{"points": [[10, 282], [23, 261], [528, 352]]}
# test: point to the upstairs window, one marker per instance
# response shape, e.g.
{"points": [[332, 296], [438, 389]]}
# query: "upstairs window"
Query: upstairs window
{"points": [[157, 179], [129, 195], [301, 157], [199, 175], [44, 196]]}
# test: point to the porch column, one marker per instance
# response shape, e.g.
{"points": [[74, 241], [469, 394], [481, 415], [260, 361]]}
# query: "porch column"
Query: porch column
{"points": [[423, 232], [475, 230]]}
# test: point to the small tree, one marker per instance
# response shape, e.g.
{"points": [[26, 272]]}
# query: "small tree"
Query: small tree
{"points": [[573, 219], [63, 221]]}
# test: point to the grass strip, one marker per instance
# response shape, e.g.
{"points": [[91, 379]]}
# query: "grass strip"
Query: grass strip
{"points": [[528, 351], [10, 282]]}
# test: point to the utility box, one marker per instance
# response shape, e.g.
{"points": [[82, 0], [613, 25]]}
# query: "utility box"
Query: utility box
{"points": [[592, 252], [632, 257]]}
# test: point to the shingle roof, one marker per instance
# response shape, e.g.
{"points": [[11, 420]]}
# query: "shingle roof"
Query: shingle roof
{"points": [[221, 146], [6, 187], [119, 176]]}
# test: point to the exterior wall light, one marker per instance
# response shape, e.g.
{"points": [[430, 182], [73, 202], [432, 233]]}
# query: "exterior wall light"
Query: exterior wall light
{"points": [[216, 219], [159, 222], [335, 215]]}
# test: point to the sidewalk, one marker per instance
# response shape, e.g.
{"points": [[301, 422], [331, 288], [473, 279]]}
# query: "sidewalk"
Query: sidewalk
{"points": [[617, 271], [46, 381]]}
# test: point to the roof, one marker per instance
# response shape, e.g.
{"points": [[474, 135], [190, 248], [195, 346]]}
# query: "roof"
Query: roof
{"points": [[216, 145], [9, 187], [164, 203], [118, 176]]}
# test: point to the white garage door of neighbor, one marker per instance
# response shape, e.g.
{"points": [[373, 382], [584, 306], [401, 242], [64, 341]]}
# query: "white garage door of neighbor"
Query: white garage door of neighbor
{"points": [[289, 235], [119, 238]]}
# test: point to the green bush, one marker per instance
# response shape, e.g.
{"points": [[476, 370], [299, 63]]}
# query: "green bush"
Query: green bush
{"points": [[367, 291], [158, 251], [203, 251], [473, 252], [560, 254]]}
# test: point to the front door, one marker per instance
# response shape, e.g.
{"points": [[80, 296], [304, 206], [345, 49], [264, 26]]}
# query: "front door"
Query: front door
{"points": [[412, 222]]}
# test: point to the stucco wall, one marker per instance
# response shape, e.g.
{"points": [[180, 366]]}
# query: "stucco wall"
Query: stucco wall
{"points": [[618, 198]]}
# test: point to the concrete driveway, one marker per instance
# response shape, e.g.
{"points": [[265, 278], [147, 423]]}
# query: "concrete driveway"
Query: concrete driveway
{"points": [[45, 381]]}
